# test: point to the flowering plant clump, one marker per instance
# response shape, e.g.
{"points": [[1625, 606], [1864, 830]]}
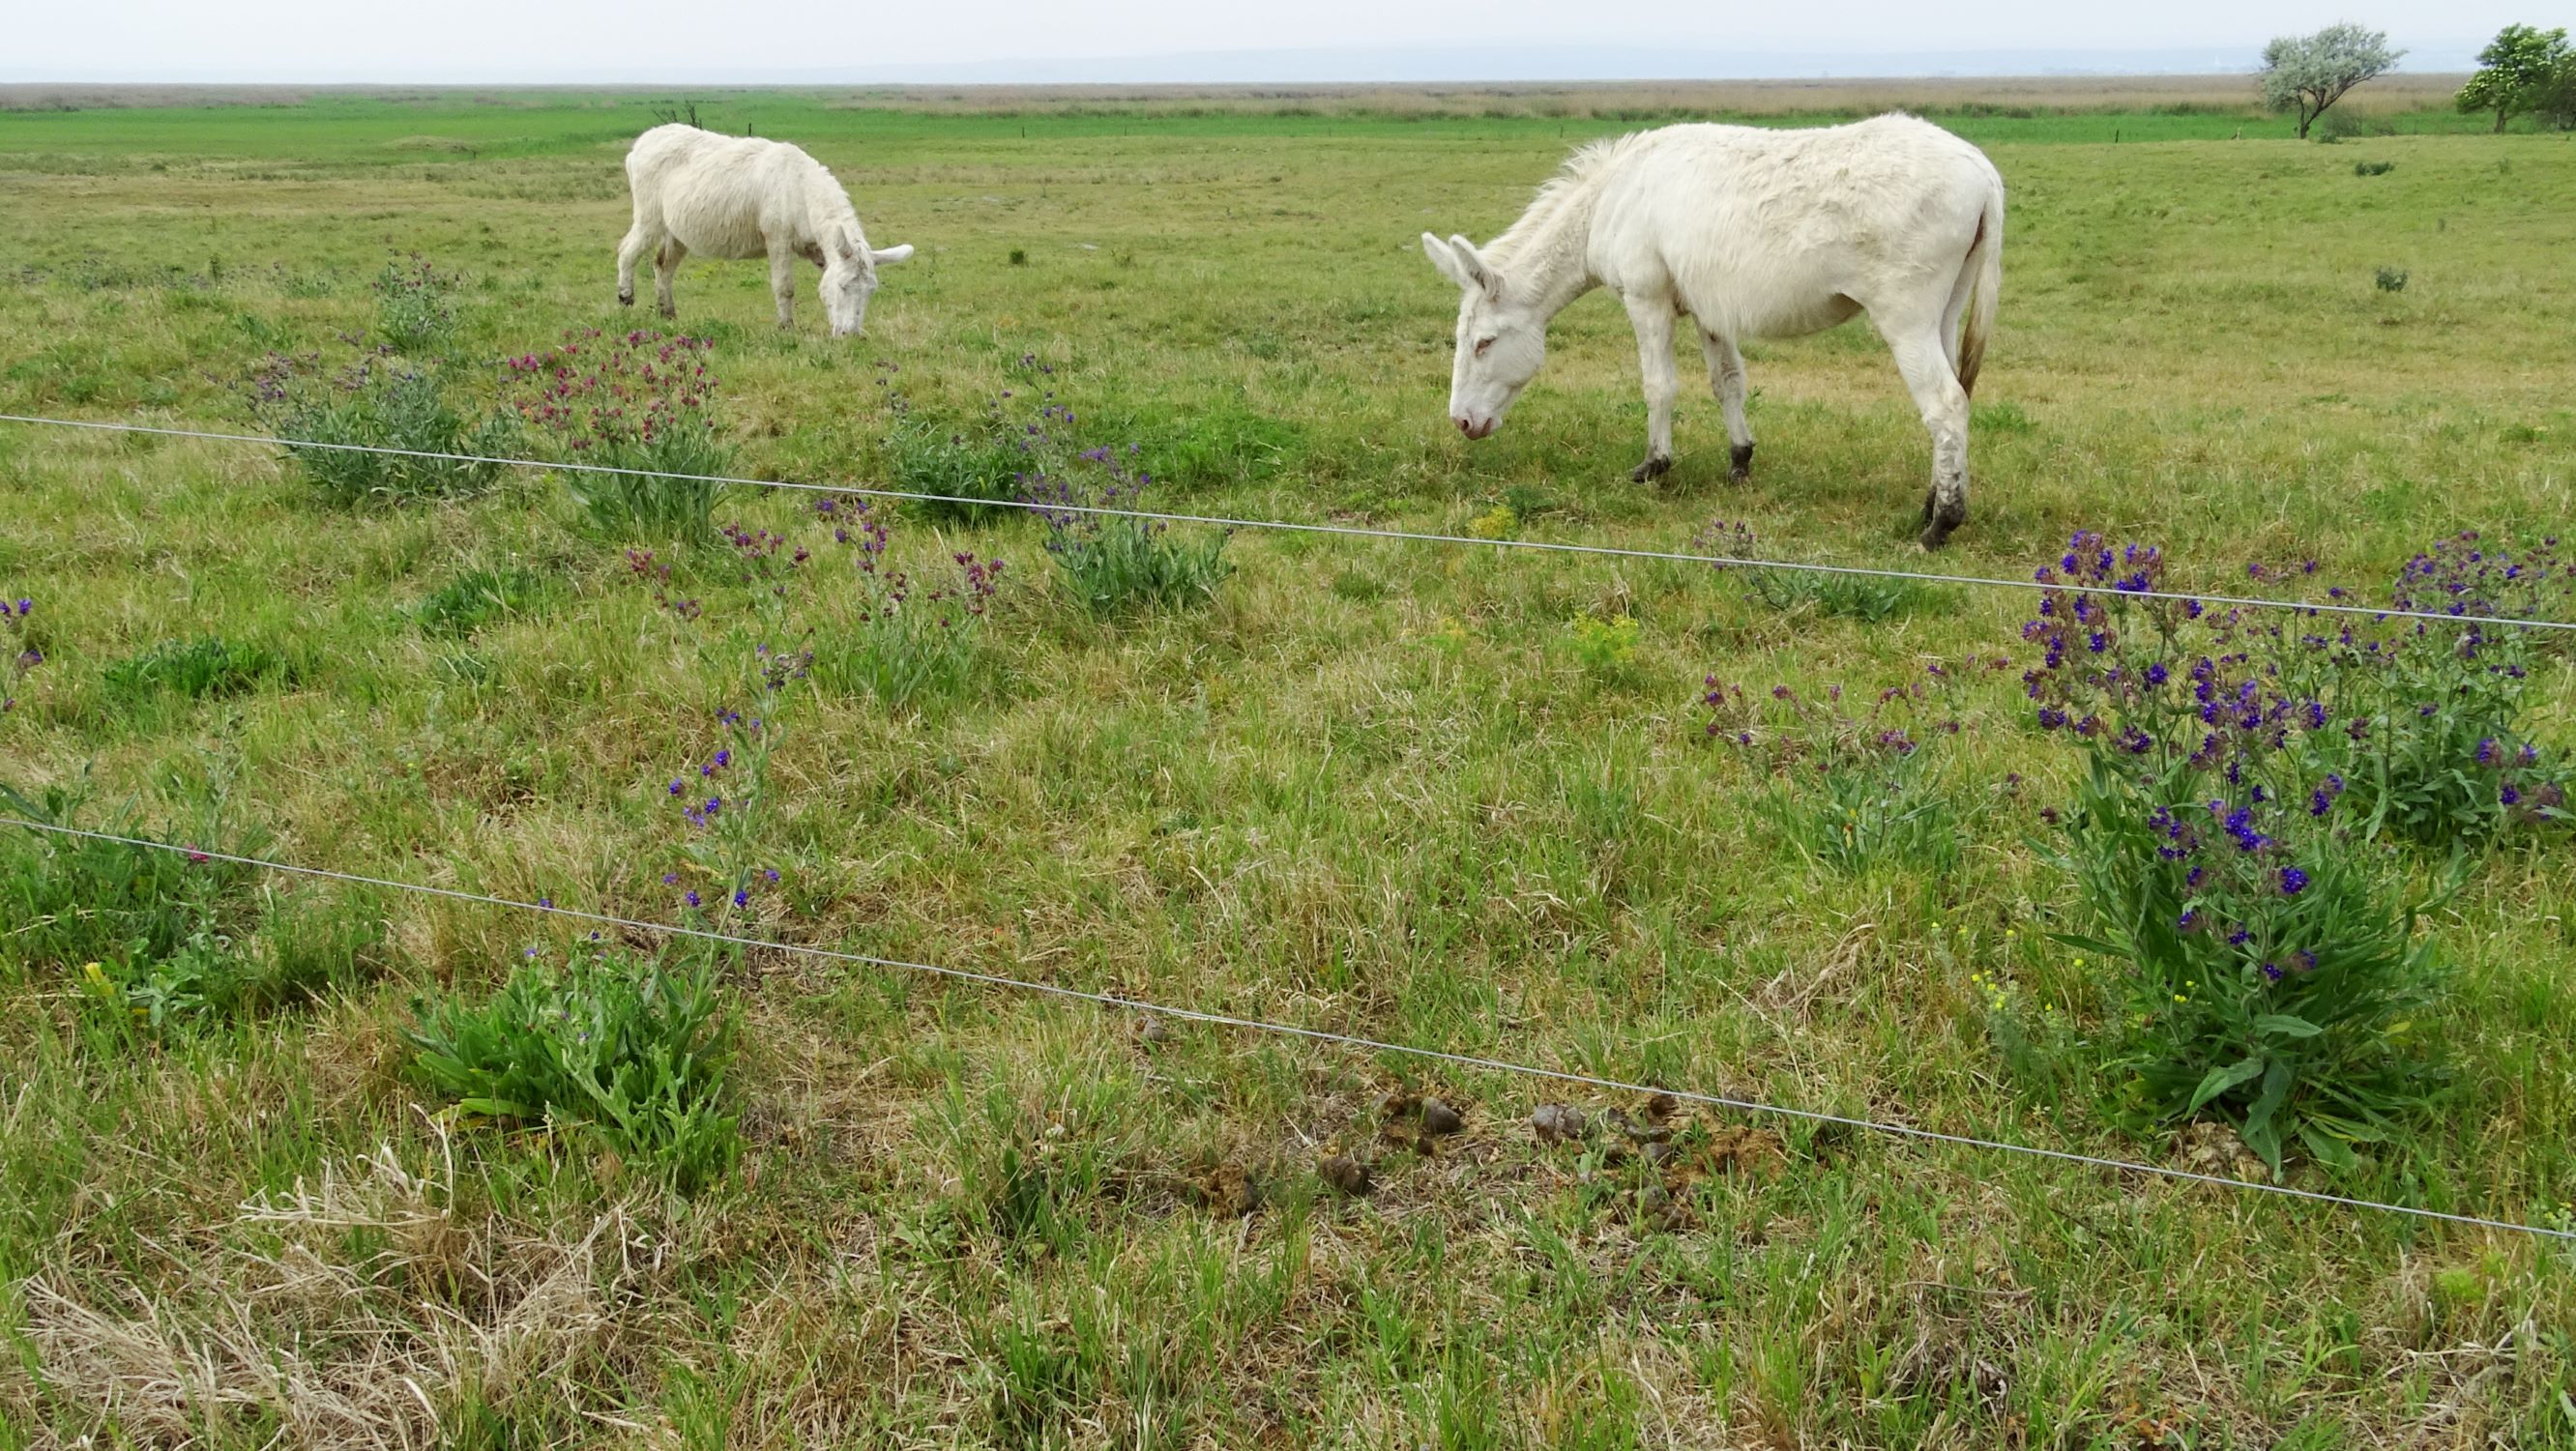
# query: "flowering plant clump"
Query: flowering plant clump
{"points": [[1115, 561], [976, 472], [23, 653], [416, 307], [1853, 787], [331, 418], [911, 638], [724, 801], [2274, 976], [641, 404], [2435, 738]]}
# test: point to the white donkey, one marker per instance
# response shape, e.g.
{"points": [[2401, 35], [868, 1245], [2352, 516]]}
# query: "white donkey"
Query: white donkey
{"points": [[1752, 234], [737, 196]]}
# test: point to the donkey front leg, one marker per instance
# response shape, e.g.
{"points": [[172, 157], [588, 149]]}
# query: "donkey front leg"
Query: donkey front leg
{"points": [[1944, 405], [1653, 320], [1726, 380], [782, 285]]}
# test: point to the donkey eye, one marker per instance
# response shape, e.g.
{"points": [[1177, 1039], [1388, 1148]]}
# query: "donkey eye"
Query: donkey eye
{"points": [[1482, 344]]}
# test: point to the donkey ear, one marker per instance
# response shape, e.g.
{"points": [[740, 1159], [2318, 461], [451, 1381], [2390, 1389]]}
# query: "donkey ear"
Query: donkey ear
{"points": [[1478, 272], [849, 250], [894, 254], [1444, 257]]}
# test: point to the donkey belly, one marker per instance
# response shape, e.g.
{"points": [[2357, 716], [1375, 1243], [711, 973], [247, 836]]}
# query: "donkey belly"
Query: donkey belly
{"points": [[1763, 283], [711, 234], [715, 215], [1781, 315]]}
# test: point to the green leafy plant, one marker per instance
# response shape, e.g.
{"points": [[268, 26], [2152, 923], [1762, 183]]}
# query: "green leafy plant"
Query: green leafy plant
{"points": [[208, 667], [330, 425], [476, 598], [296, 952], [1603, 645], [1832, 594], [71, 899], [2373, 168], [2391, 279], [166, 939], [632, 1051]]}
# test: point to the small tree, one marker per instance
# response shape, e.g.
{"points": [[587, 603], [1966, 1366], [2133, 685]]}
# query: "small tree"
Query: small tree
{"points": [[2308, 73], [2516, 72], [2554, 99]]}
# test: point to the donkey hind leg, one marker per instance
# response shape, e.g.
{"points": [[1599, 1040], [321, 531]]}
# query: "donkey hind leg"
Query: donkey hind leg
{"points": [[640, 241], [1653, 319], [1726, 380], [666, 265], [782, 286], [1944, 406]]}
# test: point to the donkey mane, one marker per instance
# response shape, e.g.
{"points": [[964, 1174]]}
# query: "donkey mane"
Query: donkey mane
{"points": [[1549, 238]]}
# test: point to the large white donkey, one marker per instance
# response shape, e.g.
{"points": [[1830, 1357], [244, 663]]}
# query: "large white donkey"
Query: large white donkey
{"points": [[737, 196], [1752, 234]]}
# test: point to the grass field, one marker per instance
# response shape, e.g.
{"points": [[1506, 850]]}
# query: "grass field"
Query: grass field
{"points": [[1426, 794]]}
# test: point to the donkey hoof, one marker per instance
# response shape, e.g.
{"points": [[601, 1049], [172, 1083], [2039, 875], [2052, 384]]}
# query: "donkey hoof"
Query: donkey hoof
{"points": [[1938, 522], [1655, 467], [626, 299], [1740, 463]]}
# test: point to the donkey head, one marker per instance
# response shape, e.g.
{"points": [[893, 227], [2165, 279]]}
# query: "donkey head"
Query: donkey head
{"points": [[1502, 338], [850, 279]]}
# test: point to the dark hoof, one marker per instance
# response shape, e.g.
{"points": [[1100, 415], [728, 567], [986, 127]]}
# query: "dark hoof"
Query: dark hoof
{"points": [[1937, 526], [1740, 463], [1655, 467], [626, 299]]}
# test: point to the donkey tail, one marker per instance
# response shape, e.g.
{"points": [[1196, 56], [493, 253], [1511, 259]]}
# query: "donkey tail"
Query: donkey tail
{"points": [[1983, 275]]}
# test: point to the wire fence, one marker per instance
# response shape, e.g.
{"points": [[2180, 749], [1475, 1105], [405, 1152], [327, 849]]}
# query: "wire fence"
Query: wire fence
{"points": [[1309, 1034], [1288, 1030], [1610, 551]]}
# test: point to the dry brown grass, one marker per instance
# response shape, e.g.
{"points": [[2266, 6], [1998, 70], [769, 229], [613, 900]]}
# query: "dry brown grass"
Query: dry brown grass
{"points": [[359, 1310]]}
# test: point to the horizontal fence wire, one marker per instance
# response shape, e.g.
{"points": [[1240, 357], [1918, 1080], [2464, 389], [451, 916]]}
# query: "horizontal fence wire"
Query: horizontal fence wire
{"points": [[1109, 1000], [1361, 531], [1314, 1035]]}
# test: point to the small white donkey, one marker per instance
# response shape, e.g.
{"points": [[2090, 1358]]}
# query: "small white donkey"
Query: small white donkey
{"points": [[737, 196], [1753, 234]]}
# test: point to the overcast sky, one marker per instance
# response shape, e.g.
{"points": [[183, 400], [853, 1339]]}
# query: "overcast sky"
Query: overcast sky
{"points": [[466, 40]]}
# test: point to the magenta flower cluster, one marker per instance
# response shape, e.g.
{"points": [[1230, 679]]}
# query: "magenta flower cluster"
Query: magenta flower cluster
{"points": [[595, 391], [24, 656], [960, 597]]}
